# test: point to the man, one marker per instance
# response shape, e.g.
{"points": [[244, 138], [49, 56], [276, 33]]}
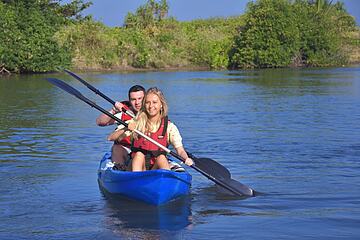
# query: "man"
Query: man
{"points": [[121, 149]]}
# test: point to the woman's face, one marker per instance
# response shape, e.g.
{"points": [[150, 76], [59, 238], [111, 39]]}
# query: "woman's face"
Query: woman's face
{"points": [[153, 105]]}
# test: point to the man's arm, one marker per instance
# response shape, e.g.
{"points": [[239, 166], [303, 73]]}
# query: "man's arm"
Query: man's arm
{"points": [[105, 120]]}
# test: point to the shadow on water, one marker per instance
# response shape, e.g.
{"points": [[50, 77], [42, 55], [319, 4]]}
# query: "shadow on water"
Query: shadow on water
{"points": [[130, 214]]}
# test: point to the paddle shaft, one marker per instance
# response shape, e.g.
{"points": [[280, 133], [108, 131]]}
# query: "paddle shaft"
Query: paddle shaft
{"points": [[74, 92], [97, 91], [239, 189], [174, 154], [214, 167]]}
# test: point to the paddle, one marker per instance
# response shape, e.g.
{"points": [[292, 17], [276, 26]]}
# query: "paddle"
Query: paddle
{"points": [[95, 90], [206, 164], [237, 189], [211, 167]]}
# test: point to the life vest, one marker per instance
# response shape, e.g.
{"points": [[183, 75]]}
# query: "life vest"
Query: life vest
{"points": [[148, 148], [126, 141]]}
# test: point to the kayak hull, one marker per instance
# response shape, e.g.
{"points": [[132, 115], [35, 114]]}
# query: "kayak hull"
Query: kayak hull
{"points": [[154, 187]]}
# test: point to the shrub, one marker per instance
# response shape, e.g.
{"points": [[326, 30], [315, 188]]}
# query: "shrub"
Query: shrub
{"points": [[269, 37]]}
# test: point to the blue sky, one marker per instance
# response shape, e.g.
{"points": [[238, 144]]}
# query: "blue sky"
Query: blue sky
{"points": [[113, 12]]}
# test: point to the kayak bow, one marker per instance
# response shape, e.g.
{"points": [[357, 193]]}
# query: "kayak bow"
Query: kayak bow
{"points": [[155, 187]]}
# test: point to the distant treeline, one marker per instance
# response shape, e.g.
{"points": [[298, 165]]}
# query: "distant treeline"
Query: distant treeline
{"points": [[45, 35]]}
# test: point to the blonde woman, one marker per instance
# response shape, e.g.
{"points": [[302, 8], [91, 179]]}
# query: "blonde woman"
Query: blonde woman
{"points": [[152, 120], [120, 149]]}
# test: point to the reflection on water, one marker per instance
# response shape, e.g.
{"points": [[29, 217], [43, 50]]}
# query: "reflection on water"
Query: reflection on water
{"points": [[133, 219]]}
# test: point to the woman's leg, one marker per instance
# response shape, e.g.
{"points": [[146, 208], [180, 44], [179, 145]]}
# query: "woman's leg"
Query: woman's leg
{"points": [[161, 162], [138, 162]]}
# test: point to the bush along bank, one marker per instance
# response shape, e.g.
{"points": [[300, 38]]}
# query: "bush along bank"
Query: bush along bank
{"points": [[271, 33]]}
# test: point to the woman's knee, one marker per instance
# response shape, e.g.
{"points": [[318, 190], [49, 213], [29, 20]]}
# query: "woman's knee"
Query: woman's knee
{"points": [[138, 161], [162, 162]]}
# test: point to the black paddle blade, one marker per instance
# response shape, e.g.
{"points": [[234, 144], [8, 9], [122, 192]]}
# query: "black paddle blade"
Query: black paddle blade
{"points": [[92, 88], [212, 167], [72, 74], [221, 176], [81, 80], [236, 186], [231, 185], [65, 87]]}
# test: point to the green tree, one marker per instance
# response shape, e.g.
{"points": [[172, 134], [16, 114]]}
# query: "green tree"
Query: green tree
{"points": [[67, 10], [279, 33], [322, 6], [323, 28], [269, 37], [28, 43], [147, 15], [272, 33]]}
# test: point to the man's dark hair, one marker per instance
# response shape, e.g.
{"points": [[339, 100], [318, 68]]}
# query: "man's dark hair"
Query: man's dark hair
{"points": [[136, 88]]}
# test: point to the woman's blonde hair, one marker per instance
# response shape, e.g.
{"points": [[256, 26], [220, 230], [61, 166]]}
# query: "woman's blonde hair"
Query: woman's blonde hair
{"points": [[142, 119]]}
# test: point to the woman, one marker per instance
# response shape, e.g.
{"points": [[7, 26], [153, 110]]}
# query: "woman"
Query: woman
{"points": [[152, 121], [120, 149]]}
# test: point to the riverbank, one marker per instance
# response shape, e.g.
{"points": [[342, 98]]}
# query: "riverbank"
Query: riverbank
{"points": [[188, 69], [169, 69], [300, 35], [129, 69]]}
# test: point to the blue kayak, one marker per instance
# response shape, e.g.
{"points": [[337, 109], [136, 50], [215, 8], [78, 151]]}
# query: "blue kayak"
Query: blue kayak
{"points": [[155, 187]]}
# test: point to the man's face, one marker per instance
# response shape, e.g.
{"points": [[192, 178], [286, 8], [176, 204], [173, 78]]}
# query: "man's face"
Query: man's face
{"points": [[136, 100]]}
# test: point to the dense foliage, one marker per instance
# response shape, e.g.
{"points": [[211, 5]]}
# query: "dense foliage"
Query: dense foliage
{"points": [[269, 37], [279, 33], [151, 39], [27, 42], [43, 35]]}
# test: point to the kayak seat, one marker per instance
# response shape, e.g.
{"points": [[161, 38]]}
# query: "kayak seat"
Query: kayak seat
{"points": [[175, 167]]}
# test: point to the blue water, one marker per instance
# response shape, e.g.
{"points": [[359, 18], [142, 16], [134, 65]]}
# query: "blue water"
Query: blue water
{"points": [[292, 135]]}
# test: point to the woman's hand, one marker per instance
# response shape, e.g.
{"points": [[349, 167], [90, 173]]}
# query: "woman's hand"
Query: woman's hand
{"points": [[181, 151], [131, 125], [189, 161]]}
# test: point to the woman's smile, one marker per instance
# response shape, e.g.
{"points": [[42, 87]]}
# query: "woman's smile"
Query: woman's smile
{"points": [[153, 105]]}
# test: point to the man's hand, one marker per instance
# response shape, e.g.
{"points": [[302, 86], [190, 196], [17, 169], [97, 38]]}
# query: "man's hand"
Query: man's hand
{"points": [[118, 106]]}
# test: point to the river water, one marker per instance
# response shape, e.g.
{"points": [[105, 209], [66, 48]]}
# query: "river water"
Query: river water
{"points": [[292, 135]]}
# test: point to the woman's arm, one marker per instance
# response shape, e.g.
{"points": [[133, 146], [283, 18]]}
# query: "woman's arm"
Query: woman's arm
{"points": [[175, 139], [181, 151], [121, 131]]}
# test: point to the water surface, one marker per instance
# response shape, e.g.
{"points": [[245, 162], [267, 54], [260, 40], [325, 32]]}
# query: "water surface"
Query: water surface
{"points": [[292, 135]]}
